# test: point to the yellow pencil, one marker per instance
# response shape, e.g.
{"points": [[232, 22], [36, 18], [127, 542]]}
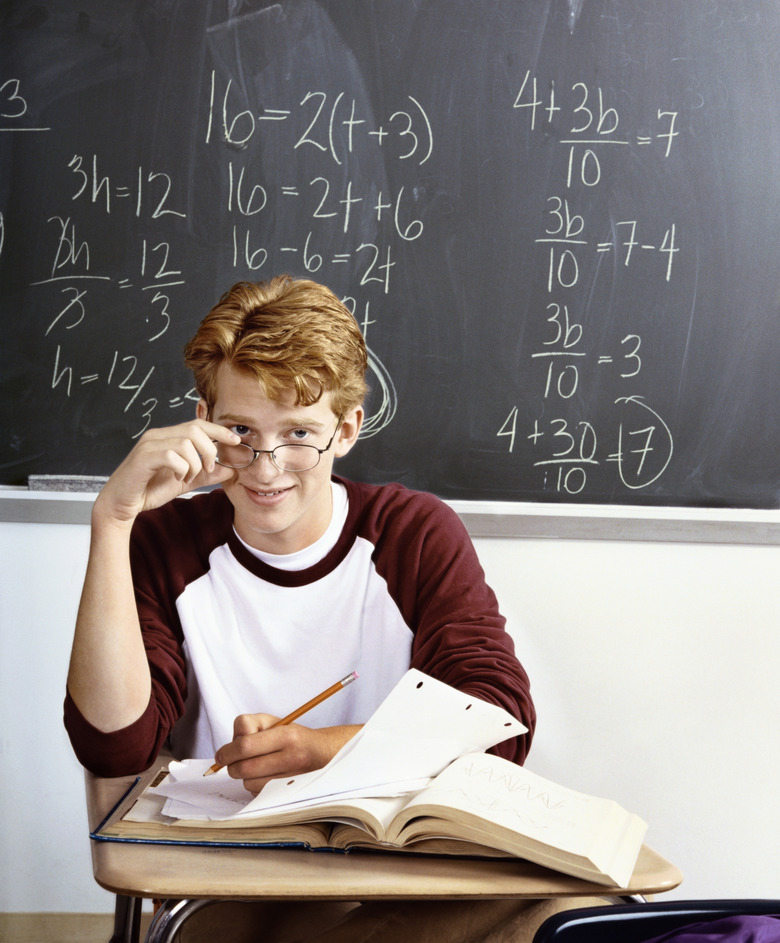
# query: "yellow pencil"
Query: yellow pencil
{"points": [[303, 709]]}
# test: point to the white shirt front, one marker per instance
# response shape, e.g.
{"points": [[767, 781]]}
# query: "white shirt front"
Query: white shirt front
{"points": [[246, 638]]}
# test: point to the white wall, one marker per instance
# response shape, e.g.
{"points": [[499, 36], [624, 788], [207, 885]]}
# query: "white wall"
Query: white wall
{"points": [[45, 863], [654, 669]]}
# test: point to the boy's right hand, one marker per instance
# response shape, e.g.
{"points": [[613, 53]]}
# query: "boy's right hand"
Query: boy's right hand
{"points": [[164, 464]]}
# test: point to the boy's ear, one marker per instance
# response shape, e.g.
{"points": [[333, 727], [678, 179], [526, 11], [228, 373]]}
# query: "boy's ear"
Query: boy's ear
{"points": [[349, 430], [202, 410]]}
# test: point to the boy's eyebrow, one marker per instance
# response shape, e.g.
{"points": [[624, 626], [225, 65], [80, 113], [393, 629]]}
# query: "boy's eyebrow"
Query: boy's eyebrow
{"points": [[289, 421]]}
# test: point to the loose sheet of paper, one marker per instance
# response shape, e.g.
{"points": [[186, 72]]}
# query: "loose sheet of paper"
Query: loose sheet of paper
{"points": [[420, 727], [218, 797]]}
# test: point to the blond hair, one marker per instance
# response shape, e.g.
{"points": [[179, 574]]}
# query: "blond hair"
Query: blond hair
{"points": [[291, 334]]}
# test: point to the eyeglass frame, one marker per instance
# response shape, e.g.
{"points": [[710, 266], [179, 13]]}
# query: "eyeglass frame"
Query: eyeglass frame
{"points": [[285, 445]]}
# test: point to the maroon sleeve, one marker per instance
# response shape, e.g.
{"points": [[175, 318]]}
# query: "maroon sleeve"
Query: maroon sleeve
{"points": [[119, 753], [426, 555]]}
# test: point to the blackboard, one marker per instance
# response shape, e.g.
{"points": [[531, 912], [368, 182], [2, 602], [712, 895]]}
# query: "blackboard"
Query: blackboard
{"points": [[557, 222]]}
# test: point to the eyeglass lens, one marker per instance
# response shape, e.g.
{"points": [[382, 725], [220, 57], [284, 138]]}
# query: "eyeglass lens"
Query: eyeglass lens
{"points": [[286, 457]]}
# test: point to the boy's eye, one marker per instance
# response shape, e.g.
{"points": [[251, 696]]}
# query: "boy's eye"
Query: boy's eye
{"points": [[240, 430], [299, 434]]}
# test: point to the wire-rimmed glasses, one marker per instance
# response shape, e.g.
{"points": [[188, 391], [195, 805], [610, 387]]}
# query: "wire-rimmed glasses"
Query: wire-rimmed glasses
{"points": [[293, 457]]}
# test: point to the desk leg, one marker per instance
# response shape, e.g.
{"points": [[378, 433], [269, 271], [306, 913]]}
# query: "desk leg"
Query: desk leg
{"points": [[170, 916], [127, 920]]}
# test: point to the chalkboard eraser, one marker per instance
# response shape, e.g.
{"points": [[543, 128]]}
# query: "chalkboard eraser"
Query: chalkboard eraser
{"points": [[71, 483]]}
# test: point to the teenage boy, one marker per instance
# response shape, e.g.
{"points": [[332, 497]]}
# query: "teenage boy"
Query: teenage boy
{"points": [[262, 592]]}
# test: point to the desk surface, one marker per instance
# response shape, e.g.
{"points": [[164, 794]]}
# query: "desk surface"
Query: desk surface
{"points": [[167, 871]]}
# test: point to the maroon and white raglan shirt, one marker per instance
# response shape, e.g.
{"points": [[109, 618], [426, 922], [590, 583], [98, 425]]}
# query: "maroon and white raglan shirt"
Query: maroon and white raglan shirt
{"points": [[394, 583]]}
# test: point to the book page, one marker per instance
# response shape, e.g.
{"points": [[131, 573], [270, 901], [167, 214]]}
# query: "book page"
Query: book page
{"points": [[514, 798], [489, 799]]}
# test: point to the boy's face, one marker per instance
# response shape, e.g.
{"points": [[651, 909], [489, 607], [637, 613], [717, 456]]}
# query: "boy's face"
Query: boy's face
{"points": [[279, 511]]}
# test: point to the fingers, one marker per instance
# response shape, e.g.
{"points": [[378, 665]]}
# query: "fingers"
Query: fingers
{"points": [[253, 751], [253, 723], [260, 752], [164, 464], [187, 450]]}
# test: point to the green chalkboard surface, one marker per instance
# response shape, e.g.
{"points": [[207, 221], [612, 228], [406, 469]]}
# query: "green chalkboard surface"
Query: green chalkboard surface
{"points": [[557, 222]]}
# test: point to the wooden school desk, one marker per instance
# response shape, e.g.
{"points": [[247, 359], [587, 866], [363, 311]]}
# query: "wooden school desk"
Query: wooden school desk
{"points": [[187, 878]]}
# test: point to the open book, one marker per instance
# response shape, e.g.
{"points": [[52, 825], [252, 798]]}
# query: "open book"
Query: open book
{"points": [[479, 805]]}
